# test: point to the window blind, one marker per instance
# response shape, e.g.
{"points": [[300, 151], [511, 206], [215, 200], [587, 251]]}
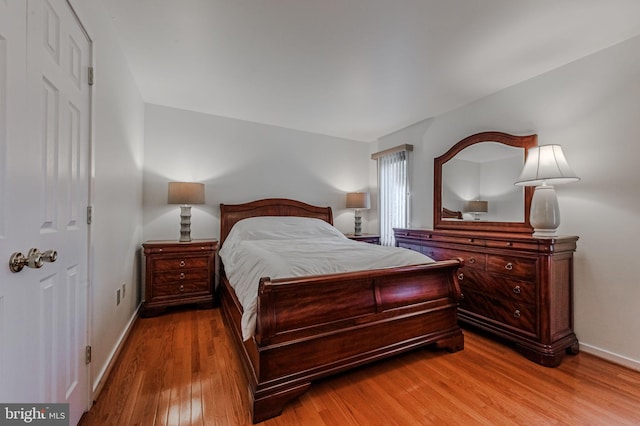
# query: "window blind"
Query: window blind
{"points": [[393, 191]]}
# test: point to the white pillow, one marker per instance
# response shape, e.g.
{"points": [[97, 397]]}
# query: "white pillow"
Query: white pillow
{"points": [[282, 228]]}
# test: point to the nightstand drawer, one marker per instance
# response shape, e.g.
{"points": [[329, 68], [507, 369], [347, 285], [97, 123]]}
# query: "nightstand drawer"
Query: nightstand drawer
{"points": [[181, 262], [181, 276], [180, 288]]}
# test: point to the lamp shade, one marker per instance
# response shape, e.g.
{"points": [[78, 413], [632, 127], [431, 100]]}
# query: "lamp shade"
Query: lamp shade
{"points": [[546, 164], [477, 206], [358, 200], [186, 193]]}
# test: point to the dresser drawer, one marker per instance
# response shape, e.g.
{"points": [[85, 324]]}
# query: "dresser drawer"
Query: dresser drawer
{"points": [[180, 262], [415, 247], [518, 315], [512, 266], [499, 286], [181, 276], [180, 288], [471, 259]]}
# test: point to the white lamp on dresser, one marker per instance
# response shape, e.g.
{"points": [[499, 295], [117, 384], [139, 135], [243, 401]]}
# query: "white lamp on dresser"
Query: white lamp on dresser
{"points": [[546, 166]]}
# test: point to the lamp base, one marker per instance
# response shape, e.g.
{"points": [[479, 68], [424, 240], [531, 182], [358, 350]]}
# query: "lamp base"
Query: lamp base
{"points": [[358, 224], [545, 212], [185, 224]]}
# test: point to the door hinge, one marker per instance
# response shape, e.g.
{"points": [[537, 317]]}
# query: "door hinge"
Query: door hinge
{"points": [[89, 215], [91, 76], [87, 355]]}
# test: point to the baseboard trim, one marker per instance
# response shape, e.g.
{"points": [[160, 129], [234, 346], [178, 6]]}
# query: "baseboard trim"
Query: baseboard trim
{"points": [[610, 356], [113, 357]]}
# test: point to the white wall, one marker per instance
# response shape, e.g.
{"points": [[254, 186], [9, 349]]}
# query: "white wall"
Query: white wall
{"points": [[592, 108], [116, 232], [241, 161]]}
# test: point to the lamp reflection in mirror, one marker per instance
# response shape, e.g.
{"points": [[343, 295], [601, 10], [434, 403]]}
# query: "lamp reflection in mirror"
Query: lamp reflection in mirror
{"points": [[476, 207], [185, 194], [546, 166], [357, 201]]}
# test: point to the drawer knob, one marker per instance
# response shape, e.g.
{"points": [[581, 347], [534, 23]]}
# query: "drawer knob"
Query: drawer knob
{"points": [[509, 243], [461, 296], [182, 275], [516, 313], [508, 266], [431, 253], [181, 287], [517, 289], [182, 263], [472, 260], [461, 276]]}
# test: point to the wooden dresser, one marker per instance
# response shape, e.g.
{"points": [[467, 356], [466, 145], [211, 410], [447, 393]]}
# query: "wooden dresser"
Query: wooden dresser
{"points": [[514, 286], [178, 273]]}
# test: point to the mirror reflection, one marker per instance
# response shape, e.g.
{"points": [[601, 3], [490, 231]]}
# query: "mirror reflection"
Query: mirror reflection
{"points": [[477, 184], [474, 187]]}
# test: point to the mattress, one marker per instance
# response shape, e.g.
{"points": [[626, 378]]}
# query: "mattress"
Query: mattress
{"points": [[287, 246]]}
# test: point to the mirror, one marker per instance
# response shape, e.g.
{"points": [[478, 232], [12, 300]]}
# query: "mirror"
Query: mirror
{"points": [[473, 184]]}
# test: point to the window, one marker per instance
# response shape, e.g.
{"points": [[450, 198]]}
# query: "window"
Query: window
{"points": [[393, 190]]}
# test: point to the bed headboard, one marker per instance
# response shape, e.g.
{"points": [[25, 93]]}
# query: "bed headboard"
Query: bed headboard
{"points": [[232, 213]]}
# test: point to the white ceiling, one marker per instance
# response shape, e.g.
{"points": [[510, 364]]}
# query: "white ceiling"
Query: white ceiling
{"points": [[356, 69]]}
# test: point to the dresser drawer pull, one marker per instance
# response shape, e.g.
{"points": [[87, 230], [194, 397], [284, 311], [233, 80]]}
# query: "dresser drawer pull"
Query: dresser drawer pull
{"points": [[517, 289], [508, 266], [181, 287], [431, 253], [460, 276], [182, 275], [182, 263], [516, 313], [509, 243], [472, 260]]}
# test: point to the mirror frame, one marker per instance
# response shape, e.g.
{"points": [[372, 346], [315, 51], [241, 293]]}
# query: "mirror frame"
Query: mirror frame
{"points": [[524, 142]]}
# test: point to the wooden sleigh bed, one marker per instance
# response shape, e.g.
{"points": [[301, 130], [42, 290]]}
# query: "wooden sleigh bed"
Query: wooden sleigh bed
{"points": [[312, 327]]}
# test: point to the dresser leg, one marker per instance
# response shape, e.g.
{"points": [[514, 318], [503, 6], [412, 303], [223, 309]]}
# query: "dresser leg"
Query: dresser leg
{"points": [[574, 349], [550, 355]]}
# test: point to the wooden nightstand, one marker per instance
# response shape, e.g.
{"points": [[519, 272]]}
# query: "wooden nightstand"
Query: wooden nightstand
{"points": [[365, 238], [178, 274]]}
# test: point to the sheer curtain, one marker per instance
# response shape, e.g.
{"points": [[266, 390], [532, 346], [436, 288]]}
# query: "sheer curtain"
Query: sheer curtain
{"points": [[393, 191]]}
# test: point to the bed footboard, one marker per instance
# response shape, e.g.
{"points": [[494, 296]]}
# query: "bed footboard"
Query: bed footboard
{"points": [[311, 327]]}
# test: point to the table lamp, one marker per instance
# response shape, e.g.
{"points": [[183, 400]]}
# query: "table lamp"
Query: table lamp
{"points": [[185, 194], [546, 166], [357, 201]]}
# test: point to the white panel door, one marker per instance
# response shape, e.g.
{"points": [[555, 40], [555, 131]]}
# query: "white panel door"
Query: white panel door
{"points": [[44, 186]]}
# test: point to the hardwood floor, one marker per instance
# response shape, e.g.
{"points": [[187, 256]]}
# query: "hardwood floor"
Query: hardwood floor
{"points": [[181, 369]]}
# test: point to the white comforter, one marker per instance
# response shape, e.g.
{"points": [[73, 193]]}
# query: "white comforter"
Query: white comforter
{"points": [[283, 247]]}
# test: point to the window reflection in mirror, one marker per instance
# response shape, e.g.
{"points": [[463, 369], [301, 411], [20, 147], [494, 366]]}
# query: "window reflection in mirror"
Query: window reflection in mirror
{"points": [[485, 171]]}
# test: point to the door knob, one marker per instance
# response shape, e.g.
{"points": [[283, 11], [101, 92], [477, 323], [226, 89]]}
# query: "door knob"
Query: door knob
{"points": [[34, 259]]}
